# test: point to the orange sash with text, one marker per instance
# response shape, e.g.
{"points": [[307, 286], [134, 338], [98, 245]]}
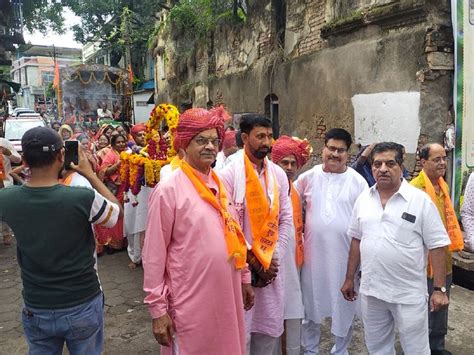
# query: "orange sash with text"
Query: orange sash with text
{"points": [[298, 222], [235, 240], [263, 218]]}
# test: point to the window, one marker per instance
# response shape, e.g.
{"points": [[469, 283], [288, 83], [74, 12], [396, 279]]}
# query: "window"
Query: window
{"points": [[47, 78]]}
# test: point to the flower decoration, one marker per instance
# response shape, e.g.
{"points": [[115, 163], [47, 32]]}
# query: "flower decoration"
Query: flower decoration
{"points": [[143, 168]]}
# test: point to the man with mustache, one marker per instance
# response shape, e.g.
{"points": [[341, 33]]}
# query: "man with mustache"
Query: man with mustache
{"points": [[329, 191], [194, 257], [434, 160], [258, 189], [393, 224]]}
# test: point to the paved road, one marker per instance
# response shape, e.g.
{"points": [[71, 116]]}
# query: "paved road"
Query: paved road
{"points": [[127, 323]]}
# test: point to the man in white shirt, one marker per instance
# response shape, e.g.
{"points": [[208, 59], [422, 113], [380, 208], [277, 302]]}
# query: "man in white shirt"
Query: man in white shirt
{"points": [[393, 225]]}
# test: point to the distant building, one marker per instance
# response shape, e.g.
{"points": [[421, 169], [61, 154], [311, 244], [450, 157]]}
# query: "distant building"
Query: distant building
{"points": [[34, 70]]}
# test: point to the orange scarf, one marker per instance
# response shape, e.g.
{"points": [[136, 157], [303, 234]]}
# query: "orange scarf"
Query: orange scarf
{"points": [[263, 219], [235, 240], [67, 181], [452, 224], [298, 222]]}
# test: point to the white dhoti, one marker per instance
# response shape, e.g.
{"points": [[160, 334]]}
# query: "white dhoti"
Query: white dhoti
{"points": [[135, 222], [380, 319]]}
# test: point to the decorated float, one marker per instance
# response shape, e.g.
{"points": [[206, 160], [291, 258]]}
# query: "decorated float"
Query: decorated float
{"points": [[143, 168]]}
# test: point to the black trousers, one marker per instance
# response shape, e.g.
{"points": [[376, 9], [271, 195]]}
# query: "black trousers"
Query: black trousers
{"points": [[438, 321]]}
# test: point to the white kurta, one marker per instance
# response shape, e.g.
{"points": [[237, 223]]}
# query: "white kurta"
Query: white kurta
{"points": [[329, 200], [291, 280], [135, 215]]}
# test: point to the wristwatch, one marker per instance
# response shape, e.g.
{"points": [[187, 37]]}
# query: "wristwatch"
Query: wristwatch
{"points": [[440, 289]]}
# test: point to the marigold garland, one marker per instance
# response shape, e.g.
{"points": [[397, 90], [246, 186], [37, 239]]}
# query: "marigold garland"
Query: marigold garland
{"points": [[144, 168]]}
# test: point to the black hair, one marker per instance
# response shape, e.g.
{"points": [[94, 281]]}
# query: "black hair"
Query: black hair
{"points": [[113, 139], [386, 147], [238, 139], [36, 158], [424, 152], [338, 134], [249, 121]]}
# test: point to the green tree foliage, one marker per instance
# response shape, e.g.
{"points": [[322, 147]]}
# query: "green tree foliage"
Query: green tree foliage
{"points": [[199, 17], [42, 15]]}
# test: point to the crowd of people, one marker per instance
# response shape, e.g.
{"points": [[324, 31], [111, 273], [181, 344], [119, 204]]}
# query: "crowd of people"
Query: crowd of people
{"points": [[243, 253]]}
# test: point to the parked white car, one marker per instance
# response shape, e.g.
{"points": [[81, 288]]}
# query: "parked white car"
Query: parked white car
{"points": [[14, 128]]}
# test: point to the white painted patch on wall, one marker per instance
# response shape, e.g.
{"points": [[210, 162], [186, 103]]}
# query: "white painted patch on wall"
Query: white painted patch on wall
{"points": [[387, 116]]}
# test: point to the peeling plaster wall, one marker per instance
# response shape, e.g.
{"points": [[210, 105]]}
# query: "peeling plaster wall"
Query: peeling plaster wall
{"points": [[315, 78]]}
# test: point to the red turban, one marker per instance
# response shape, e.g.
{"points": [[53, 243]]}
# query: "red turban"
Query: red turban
{"points": [[285, 146], [139, 127], [196, 120], [229, 140]]}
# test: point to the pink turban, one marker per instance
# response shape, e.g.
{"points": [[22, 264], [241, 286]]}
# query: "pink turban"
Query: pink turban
{"points": [[229, 140], [196, 120], [139, 127], [285, 146]]}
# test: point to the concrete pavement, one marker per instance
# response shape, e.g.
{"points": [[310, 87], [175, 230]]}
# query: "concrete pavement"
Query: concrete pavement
{"points": [[128, 325]]}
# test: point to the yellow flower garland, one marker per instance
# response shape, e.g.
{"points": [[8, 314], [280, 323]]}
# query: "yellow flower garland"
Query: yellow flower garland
{"points": [[132, 162]]}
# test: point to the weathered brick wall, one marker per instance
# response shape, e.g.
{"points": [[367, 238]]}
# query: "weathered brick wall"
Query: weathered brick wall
{"points": [[304, 22]]}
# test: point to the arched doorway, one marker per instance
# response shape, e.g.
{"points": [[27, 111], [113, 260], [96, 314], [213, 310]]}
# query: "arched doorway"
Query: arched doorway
{"points": [[272, 110]]}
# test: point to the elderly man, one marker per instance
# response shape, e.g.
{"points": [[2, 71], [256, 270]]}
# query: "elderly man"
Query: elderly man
{"points": [[392, 226], [258, 189], [195, 252], [433, 160], [291, 154], [329, 191]]}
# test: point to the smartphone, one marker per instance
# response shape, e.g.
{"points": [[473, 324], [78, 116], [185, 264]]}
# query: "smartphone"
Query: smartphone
{"points": [[72, 154]]}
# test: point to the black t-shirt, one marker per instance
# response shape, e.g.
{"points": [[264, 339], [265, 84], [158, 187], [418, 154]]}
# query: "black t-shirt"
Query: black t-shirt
{"points": [[55, 242]]}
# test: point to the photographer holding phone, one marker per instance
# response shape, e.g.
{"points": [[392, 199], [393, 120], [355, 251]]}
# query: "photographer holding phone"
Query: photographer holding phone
{"points": [[55, 248]]}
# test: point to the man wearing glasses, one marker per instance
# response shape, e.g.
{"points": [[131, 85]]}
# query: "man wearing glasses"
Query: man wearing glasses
{"points": [[329, 191], [194, 257], [433, 160]]}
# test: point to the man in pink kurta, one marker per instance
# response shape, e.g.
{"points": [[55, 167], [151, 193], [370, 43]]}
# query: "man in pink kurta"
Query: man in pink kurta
{"points": [[264, 322], [195, 292]]}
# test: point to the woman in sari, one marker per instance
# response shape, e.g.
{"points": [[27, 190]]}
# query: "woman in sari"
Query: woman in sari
{"points": [[102, 147], [89, 149], [109, 172]]}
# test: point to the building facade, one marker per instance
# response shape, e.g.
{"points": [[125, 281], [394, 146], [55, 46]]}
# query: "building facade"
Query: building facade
{"points": [[382, 69], [34, 70]]}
